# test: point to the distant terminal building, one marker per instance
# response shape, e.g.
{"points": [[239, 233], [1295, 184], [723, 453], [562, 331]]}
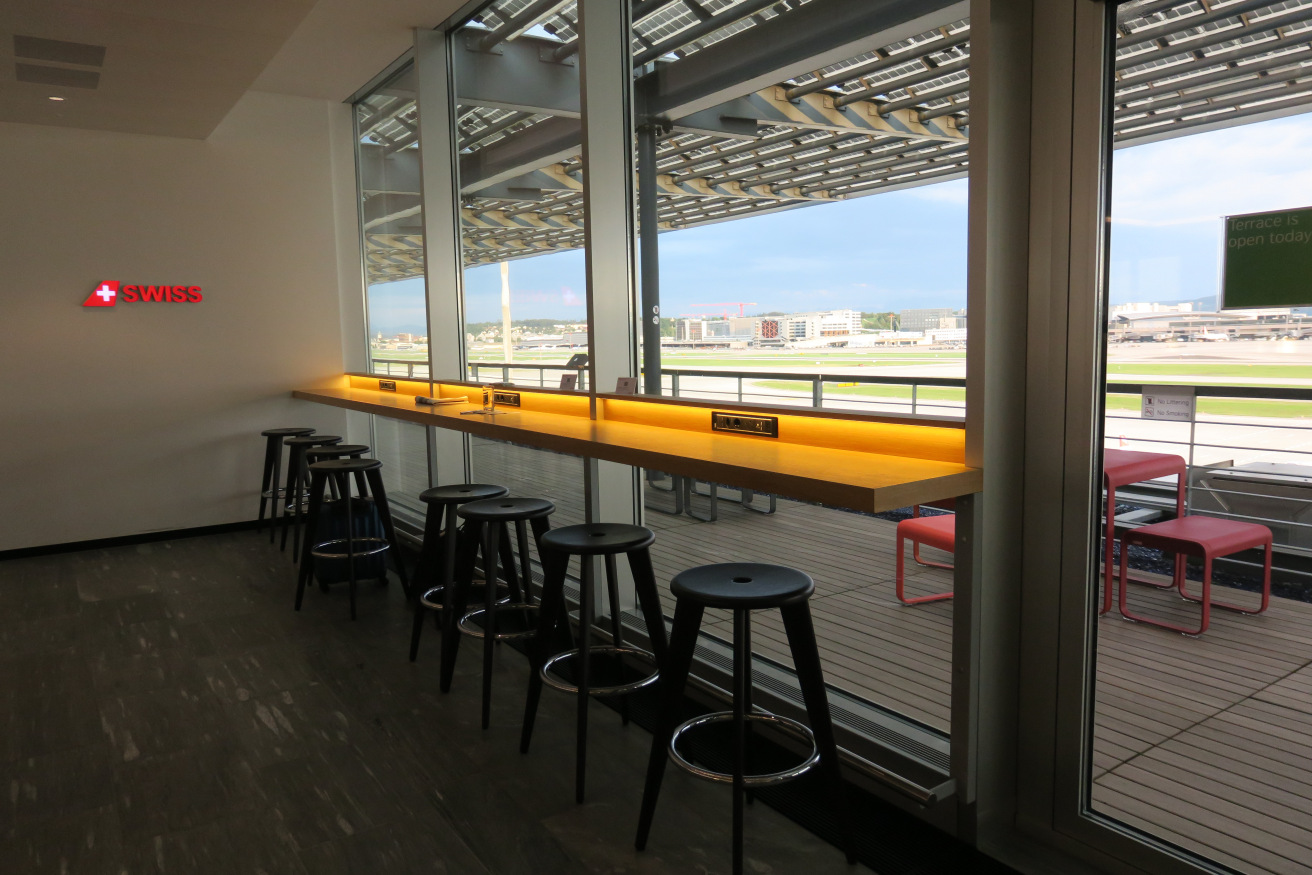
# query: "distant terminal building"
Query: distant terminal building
{"points": [[1152, 308], [793, 326], [1182, 324], [689, 329], [931, 319]]}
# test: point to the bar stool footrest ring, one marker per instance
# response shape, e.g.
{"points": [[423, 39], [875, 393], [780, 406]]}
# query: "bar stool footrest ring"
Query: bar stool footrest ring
{"points": [[379, 545], [467, 627], [609, 650], [432, 597], [769, 779]]}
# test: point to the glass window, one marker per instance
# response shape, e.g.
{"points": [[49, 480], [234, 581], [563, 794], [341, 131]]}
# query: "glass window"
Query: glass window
{"points": [[809, 237], [1199, 739], [391, 221], [804, 244], [403, 449], [521, 192]]}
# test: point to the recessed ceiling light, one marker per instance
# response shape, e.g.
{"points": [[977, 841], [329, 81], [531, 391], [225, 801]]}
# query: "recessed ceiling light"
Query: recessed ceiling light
{"points": [[56, 98]]}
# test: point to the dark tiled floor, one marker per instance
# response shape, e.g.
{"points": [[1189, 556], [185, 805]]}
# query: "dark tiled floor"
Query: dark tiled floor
{"points": [[165, 711]]}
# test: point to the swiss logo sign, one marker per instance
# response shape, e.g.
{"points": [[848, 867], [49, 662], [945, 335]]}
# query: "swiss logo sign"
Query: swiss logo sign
{"points": [[108, 293]]}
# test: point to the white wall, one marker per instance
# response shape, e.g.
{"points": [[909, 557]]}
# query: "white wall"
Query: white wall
{"points": [[146, 417]]}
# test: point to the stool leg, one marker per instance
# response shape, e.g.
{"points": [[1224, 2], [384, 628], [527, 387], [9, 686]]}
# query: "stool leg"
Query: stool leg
{"points": [[430, 551], [291, 501], [674, 675], [551, 612], [525, 561], [491, 549], [649, 600], [457, 593], [302, 482], [450, 550], [581, 678], [311, 527], [746, 695], [375, 478], [345, 486], [269, 445], [616, 622], [416, 629], [810, 676], [508, 566], [742, 673], [277, 475]]}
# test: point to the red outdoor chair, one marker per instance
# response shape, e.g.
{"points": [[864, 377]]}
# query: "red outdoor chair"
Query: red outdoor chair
{"points": [[1210, 538], [938, 532]]}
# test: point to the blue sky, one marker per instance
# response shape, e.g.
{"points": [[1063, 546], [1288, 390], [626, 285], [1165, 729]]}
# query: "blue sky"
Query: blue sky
{"points": [[907, 248]]}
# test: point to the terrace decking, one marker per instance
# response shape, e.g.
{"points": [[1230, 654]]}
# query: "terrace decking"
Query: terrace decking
{"points": [[1204, 742]]}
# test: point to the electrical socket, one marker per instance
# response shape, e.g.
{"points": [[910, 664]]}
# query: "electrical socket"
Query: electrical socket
{"points": [[509, 399], [387, 385], [738, 423]]}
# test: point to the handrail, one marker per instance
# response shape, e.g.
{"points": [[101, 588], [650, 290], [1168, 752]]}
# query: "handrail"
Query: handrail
{"points": [[1273, 393]]}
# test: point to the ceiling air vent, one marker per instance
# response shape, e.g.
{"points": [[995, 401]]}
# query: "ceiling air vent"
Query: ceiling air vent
{"points": [[34, 48], [53, 51], [42, 75]]}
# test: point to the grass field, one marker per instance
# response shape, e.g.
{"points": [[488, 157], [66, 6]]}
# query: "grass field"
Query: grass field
{"points": [[1240, 371]]}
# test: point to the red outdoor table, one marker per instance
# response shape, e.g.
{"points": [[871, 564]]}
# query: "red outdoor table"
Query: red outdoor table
{"points": [[1121, 468]]}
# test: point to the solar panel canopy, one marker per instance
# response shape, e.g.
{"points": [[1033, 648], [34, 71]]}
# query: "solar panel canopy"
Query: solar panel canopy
{"points": [[763, 105]]}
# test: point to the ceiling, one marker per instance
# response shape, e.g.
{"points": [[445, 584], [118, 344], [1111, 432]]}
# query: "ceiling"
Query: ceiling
{"points": [[176, 67]]}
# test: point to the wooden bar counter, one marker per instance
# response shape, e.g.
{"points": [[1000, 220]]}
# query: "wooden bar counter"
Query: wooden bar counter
{"points": [[831, 457]]}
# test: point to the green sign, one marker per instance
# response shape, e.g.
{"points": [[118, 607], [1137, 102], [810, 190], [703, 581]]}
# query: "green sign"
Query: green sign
{"points": [[1267, 260]]}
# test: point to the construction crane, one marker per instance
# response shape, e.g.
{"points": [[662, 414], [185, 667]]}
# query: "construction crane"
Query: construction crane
{"points": [[739, 304]]}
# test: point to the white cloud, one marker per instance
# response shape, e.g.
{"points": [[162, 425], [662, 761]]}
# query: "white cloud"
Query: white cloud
{"points": [[955, 191], [1200, 178]]}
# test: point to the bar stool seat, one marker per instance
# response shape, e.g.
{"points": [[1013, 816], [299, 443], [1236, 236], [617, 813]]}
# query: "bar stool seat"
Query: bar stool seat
{"points": [[743, 587], [485, 533], [437, 555], [270, 491], [587, 541], [595, 539], [1208, 537]]}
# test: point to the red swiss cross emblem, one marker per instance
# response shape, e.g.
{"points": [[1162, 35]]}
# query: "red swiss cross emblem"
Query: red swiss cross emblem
{"points": [[104, 295]]}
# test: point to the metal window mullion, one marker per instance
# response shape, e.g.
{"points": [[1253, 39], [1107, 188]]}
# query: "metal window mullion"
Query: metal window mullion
{"points": [[443, 268], [610, 239]]}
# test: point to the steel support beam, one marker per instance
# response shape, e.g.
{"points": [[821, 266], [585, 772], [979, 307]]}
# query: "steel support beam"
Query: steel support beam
{"points": [[810, 37], [649, 262], [516, 75], [546, 142]]}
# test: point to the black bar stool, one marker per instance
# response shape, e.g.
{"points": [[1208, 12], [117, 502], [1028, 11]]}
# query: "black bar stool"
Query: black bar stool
{"points": [[486, 530], [350, 547], [437, 556], [269, 488], [587, 541], [298, 482], [336, 451], [743, 588]]}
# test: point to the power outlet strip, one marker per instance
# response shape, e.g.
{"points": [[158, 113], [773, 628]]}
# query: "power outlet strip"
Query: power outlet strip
{"points": [[740, 423]]}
